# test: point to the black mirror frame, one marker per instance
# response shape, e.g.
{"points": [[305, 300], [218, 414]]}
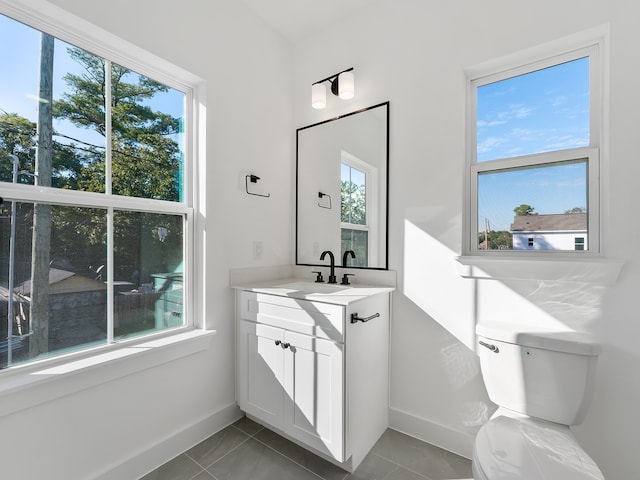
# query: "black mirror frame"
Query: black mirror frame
{"points": [[386, 257]]}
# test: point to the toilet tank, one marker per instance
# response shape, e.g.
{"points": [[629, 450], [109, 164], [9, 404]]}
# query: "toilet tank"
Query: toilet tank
{"points": [[542, 374]]}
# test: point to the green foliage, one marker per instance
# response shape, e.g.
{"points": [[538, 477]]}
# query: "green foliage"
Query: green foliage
{"points": [[523, 210], [497, 240], [576, 210], [17, 136], [353, 203], [145, 157]]}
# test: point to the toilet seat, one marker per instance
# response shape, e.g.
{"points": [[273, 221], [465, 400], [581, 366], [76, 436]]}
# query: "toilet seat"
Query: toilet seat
{"points": [[528, 449]]}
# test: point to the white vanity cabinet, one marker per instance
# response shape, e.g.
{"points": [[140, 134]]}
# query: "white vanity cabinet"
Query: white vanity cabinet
{"points": [[306, 371]]}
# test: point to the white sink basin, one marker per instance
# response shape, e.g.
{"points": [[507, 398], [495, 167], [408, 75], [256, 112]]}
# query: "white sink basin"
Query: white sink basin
{"points": [[321, 292], [311, 288]]}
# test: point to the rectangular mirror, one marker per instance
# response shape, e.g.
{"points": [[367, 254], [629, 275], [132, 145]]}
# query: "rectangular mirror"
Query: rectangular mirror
{"points": [[342, 182]]}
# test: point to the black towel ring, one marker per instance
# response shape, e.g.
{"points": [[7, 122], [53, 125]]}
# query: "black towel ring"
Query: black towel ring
{"points": [[254, 179]]}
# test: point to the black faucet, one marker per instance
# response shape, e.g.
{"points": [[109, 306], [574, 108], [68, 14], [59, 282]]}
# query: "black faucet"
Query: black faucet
{"points": [[344, 257], [332, 273]]}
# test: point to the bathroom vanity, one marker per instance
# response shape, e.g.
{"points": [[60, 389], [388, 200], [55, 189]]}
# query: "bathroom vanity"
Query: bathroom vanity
{"points": [[312, 364]]}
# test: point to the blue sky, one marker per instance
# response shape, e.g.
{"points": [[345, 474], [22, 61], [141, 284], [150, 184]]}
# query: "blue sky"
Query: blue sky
{"points": [[538, 112]]}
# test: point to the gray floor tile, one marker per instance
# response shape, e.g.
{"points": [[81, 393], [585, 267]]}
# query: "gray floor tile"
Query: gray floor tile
{"points": [[402, 473], [373, 467], [255, 461], [302, 456], [204, 475], [422, 458], [232, 454], [460, 465], [180, 468], [216, 446], [248, 426]]}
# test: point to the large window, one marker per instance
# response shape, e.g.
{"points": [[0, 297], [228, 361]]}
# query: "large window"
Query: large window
{"points": [[95, 223], [533, 156]]}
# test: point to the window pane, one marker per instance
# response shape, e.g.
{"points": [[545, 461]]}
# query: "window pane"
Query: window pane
{"points": [[68, 120], [535, 208], [358, 241], [537, 112], [65, 116], [59, 296], [148, 267], [147, 123], [353, 196]]}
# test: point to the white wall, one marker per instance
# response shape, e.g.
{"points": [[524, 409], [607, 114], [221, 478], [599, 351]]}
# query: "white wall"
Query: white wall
{"points": [[414, 53], [153, 414]]}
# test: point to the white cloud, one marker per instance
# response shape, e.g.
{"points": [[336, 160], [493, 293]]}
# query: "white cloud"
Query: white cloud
{"points": [[488, 144], [492, 123], [565, 141]]}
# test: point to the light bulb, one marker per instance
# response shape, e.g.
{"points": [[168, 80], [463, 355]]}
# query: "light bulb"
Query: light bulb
{"points": [[346, 85]]}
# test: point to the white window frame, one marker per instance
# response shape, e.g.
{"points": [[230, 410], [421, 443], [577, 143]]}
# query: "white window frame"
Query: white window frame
{"points": [[515, 65], [77, 32]]}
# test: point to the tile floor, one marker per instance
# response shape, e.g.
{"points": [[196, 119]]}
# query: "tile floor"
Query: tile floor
{"points": [[247, 451]]}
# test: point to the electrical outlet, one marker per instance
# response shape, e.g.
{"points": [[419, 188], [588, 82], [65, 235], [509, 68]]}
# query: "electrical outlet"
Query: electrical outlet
{"points": [[258, 250]]}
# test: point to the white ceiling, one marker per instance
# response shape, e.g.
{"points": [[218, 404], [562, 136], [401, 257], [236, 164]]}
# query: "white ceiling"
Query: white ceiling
{"points": [[297, 19]]}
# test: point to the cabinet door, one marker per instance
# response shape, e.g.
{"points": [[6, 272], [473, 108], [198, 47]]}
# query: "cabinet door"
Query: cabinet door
{"points": [[261, 372], [314, 382]]}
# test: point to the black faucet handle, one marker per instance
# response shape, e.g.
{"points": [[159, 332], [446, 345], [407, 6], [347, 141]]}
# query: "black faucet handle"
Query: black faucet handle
{"points": [[319, 278], [345, 278]]}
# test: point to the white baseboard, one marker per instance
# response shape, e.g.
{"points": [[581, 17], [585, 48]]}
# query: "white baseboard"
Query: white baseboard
{"points": [[441, 436], [147, 459]]}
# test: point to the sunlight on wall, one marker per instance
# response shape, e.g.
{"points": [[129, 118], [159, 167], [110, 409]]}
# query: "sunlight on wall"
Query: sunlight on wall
{"points": [[433, 282]]}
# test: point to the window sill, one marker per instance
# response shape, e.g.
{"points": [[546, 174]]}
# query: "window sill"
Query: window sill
{"points": [[594, 270], [54, 379]]}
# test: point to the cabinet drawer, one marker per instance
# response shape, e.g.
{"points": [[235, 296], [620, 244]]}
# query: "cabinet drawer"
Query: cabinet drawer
{"points": [[310, 318]]}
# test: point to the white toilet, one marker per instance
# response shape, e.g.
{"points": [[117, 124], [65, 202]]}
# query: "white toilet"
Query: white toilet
{"points": [[542, 383]]}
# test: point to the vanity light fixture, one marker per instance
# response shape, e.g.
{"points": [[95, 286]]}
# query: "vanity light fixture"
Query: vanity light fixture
{"points": [[342, 85]]}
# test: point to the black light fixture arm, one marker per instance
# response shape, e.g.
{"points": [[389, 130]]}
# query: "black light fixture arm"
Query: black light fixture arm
{"points": [[333, 78]]}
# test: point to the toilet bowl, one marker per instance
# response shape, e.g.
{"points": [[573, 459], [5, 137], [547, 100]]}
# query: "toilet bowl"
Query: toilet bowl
{"points": [[542, 383], [510, 448]]}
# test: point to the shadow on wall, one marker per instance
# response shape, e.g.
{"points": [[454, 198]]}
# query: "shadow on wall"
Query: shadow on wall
{"points": [[435, 357]]}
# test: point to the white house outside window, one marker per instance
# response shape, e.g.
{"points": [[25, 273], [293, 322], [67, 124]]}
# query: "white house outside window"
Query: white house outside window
{"points": [[533, 154], [95, 224]]}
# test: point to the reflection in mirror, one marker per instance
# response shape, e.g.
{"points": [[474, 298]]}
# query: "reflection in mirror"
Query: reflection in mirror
{"points": [[341, 191]]}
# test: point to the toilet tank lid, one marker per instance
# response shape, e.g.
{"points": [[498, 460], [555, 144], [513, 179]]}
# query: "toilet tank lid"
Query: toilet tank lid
{"points": [[566, 341]]}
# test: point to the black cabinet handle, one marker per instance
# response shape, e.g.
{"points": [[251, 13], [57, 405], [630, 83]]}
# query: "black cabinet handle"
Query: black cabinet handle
{"points": [[278, 342], [355, 318], [286, 345]]}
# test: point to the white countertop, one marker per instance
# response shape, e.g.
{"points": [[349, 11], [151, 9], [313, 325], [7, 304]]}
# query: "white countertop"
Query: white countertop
{"points": [[318, 292]]}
